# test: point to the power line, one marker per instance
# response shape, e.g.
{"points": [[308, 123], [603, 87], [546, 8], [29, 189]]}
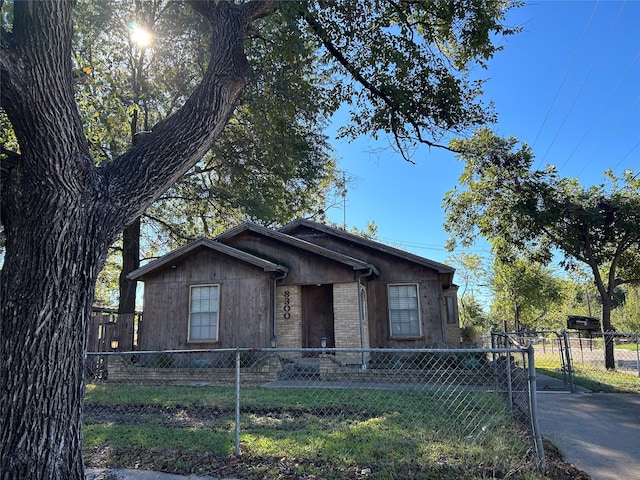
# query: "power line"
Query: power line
{"points": [[623, 119], [613, 94], [593, 64], [566, 73], [625, 157], [427, 246]]}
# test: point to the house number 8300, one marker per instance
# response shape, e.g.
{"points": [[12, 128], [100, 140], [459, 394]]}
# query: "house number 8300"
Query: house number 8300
{"points": [[287, 305]]}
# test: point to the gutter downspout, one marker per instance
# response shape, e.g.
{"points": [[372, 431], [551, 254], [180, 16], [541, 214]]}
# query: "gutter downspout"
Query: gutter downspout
{"points": [[274, 337], [361, 315]]}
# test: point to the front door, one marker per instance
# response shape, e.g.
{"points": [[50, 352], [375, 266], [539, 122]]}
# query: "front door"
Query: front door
{"points": [[317, 315]]}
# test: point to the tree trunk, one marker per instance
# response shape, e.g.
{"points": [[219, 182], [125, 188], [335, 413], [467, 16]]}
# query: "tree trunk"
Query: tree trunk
{"points": [[48, 277], [609, 356], [60, 214], [127, 301]]}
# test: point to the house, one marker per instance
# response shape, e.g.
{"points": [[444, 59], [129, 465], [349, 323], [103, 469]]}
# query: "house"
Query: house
{"points": [[295, 287]]}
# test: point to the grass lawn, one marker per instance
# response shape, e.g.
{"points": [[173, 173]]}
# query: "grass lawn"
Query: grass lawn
{"points": [[303, 433], [591, 377]]}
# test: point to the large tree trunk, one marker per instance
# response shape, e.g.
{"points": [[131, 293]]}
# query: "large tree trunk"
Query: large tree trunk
{"points": [[60, 214], [609, 355], [48, 277]]}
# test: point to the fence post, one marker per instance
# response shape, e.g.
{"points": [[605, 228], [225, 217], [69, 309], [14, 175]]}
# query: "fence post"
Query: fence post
{"points": [[237, 436], [494, 363], [567, 353], [509, 385], [533, 405], [638, 355]]}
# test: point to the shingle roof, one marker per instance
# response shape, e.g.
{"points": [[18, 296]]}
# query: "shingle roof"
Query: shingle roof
{"points": [[291, 226], [181, 252]]}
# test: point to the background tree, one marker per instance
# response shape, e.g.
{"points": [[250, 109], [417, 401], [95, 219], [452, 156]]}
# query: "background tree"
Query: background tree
{"points": [[523, 292], [531, 213], [272, 162], [470, 271], [61, 211], [627, 316]]}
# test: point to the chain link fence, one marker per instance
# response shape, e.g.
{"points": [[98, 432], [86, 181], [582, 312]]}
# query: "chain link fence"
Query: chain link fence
{"points": [[576, 356], [588, 352], [468, 396]]}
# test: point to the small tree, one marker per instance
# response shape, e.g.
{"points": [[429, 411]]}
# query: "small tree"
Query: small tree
{"points": [[534, 212], [470, 270], [524, 292]]}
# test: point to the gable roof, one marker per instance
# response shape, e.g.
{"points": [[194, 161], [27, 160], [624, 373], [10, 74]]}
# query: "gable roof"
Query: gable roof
{"points": [[365, 242], [355, 263], [181, 252]]}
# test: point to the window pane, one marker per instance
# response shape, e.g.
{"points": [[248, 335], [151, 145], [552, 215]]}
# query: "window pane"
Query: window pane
{"points": [[403, 310], [451, 311], [203, 315]]}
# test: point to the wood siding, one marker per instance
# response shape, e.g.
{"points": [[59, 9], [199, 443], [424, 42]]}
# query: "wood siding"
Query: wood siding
{"points": [[244, 311], [304, 268], [392, 270], [320, 289]]}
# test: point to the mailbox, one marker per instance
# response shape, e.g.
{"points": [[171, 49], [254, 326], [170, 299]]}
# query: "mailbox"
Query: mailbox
{"points": [[579, 322]]}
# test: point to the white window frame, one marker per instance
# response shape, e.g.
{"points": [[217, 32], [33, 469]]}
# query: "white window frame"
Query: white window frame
{"points": [[216, 311], [412, 334]]}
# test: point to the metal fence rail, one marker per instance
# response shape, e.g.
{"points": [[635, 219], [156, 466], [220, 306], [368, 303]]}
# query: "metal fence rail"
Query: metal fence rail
{"points": [[573, 354], [587, 351], [468, 394]]}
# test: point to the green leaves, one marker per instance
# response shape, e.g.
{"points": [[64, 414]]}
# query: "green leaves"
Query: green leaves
{"points": [[410, 62], [533, 214], [524, 291]]}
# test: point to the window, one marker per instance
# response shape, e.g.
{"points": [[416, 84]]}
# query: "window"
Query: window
{"points": [[404, 310], [451, 310], [203, 313]]}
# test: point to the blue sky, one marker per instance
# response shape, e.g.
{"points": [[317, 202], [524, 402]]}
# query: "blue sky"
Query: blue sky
{"points": [[568, 85]]}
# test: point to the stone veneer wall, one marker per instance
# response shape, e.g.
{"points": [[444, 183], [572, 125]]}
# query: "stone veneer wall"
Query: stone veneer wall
{"points": [[121, 371], [289, 316]]}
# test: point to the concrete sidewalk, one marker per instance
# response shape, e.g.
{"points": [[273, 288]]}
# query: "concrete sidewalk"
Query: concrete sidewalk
{"points": [[599, 433], [129, 474]]}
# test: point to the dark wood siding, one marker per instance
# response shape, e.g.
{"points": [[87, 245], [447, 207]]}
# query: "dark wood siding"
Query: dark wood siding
{"points": [[392, 270], [244, 311], [305, 268]]}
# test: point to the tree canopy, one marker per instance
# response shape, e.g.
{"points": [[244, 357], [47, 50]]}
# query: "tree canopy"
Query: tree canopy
{"points": [[535, 213], [523, 292]]}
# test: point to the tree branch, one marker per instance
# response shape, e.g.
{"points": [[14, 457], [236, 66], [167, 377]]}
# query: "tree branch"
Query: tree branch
{"points": [[138, 177], [169, 227], [37, 93], [320, 32], [8, 161]]}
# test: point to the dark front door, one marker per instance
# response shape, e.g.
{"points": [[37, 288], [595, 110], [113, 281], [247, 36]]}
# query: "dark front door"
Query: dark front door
{"points": [[317, 315]]}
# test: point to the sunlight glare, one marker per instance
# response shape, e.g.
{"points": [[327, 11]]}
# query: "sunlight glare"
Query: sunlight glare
{"points": [[140, 35]]}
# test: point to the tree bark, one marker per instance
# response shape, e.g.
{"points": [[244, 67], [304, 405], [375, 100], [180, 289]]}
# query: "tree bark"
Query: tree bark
{"points": [[61, 213], [609, 355], [127, 300], [47, 287]]}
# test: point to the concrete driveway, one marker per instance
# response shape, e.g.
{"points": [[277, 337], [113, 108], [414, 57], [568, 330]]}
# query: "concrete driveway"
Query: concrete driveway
{"points": [[599, 433]]}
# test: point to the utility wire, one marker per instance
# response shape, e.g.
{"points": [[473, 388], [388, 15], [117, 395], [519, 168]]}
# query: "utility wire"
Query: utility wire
{"points": [[625, 157], [613, 94], [623, 119], [566, 73], [593, 64]]}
